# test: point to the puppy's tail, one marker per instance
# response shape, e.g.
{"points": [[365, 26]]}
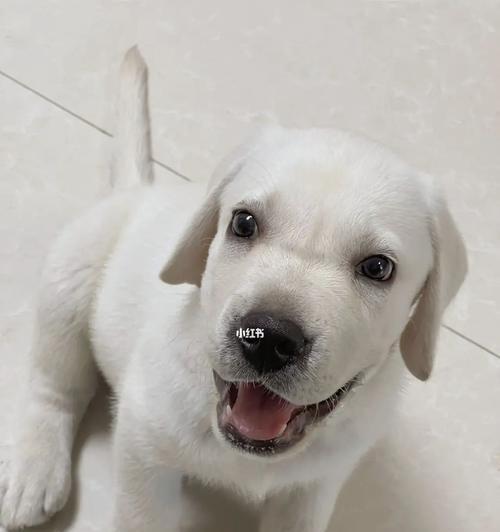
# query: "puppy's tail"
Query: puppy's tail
{"points": [[132, 162]]}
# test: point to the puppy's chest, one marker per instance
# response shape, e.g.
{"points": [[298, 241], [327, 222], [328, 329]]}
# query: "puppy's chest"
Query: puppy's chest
{"points": [[252, 481], [253, 478]]}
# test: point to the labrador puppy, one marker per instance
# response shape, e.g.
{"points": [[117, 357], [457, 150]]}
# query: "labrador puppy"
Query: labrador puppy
{"points": [[256, 338]]}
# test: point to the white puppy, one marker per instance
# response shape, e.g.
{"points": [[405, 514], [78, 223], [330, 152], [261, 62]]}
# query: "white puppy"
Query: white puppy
{"points": [[272, 355]]}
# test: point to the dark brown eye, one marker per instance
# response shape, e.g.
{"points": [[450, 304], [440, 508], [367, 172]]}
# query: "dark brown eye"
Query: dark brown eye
{"points": [[378, 268], [243, 224]]}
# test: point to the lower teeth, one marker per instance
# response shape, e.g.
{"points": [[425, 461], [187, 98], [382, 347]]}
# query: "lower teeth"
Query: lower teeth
{"points": [[282, 431]]}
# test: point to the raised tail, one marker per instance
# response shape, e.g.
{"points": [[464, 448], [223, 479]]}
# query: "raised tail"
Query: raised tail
{"points": [[132, 162]]}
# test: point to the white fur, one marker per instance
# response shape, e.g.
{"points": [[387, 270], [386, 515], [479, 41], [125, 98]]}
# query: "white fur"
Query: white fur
{"points": [[326, 198]]}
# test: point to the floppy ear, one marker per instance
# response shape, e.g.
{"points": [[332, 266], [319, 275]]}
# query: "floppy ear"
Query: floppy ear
{"points": [[419, 338], [187, 263]]}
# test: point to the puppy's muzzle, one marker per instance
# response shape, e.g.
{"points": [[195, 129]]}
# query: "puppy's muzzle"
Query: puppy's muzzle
{"points": [[268, 343]]}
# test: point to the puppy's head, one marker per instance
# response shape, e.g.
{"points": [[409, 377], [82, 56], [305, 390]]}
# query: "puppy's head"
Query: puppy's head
{"points": [[317, 254]]}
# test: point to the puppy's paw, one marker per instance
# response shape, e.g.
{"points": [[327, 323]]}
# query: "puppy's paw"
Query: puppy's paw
{"points": [[34, 485]]}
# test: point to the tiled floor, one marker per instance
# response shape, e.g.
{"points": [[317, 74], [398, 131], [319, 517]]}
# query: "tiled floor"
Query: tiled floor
{"points": [[422, 77]]}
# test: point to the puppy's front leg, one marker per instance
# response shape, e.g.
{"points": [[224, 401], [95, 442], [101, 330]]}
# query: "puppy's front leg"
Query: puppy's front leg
{"points": [[36, 477], [147, 500], [148, 496], [305, 508]]}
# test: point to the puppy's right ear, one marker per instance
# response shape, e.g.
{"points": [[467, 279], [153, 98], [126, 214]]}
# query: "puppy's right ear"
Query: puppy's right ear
{"points": [[187, 263]]}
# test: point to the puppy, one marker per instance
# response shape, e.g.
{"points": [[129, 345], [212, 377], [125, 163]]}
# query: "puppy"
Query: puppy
{"points": [[256, 338]]}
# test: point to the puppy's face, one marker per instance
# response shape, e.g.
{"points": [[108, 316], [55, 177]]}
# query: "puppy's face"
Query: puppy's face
{"points": [[323, 243]]}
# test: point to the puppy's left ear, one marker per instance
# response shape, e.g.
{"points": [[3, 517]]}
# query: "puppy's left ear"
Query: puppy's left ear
{"points": [[419, 338]]}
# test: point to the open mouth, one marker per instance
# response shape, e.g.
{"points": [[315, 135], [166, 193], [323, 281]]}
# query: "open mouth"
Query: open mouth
{"points": [[258, 421]]}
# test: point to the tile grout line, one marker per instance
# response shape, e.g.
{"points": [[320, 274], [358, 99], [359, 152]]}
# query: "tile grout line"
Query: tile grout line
{"points": [[470, 340], [81, 118]]}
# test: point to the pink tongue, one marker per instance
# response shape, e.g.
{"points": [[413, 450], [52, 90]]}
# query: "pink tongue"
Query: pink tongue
{"points": [[258, 414]]}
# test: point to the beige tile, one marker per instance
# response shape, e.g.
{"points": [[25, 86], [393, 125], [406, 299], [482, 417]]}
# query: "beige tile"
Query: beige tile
{"points": [[421, 77], [439, 470]]}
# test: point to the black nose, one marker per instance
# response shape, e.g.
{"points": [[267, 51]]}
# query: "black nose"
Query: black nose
{"points": [[268, 343]]}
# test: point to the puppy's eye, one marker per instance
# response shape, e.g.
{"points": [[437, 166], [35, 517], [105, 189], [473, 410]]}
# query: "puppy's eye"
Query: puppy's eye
{"points": [[243, 224], [378, 268]]}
